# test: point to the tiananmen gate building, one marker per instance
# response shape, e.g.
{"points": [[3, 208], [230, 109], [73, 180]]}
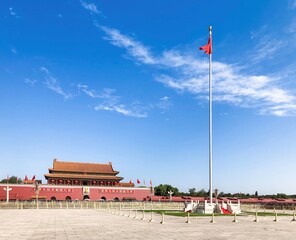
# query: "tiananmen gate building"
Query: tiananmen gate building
{"points": [[78, 181]]}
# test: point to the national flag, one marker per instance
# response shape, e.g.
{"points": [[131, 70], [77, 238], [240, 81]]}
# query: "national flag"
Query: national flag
{"points": [[33, 178], [138, 181], [208, 47], [26, 178]]}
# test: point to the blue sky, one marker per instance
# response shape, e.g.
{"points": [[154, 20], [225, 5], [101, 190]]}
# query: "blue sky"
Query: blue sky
{"points": [[100, 81]]}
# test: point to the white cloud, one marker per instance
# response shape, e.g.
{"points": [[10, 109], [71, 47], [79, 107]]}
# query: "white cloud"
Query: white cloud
{"points": [[292, 4], [52, 84], [30, 81], [122, 109], [231, 84], [292, 26], [12, 12], [113, 103], [267, 47], [90, 7], [14, 51], [134, 48], [164, 103]]}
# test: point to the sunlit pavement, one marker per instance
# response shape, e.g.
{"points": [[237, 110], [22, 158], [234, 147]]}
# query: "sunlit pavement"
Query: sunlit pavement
{"points": [[94, 224]]}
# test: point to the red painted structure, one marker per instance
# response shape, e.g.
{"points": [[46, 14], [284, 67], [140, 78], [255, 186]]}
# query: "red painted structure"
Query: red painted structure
{"points": [[65, 192], [78, 181]]}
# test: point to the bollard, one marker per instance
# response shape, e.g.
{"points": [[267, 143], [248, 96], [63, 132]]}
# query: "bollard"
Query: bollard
{"points": [[213, 218], [256, 217], [129, 213], [135, 214], [74, 205], [234, 218], [143, 218], [81, 205], [188, 217], [275, 217], [293, 217], [151, 219], [162, 219]]}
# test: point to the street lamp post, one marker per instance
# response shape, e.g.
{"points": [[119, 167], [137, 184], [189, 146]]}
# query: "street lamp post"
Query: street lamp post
{"points": [[37, 190], [170, 193], [7, 189]]}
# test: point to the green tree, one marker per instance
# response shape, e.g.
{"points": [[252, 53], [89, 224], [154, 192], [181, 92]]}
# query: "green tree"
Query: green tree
{"points": [[163, 189], [192, 192], [12, 179], [202, 193]]}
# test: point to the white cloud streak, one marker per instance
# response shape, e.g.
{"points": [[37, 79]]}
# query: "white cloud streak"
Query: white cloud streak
{"points": [[134, 48], [133, 111], [231, 85], [110, 102], [267, 47], [30, 82], [52, 84], [90, 7]]}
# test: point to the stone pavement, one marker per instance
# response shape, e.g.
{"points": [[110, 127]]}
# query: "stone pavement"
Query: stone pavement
{"points": [[92, 224]]}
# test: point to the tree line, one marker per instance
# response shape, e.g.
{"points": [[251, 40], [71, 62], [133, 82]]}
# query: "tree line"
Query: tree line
{"points": [[163, 189]]}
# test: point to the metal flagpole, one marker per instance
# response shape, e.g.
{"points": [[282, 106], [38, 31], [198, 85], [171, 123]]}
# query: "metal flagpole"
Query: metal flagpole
{"points": [[210, 123]]}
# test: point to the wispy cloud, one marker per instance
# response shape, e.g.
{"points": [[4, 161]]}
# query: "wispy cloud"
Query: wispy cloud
{"points": [[292, 26], [13, 50], [292, 4], [164, 103], [52, 84], [267, 47], [132, 111], [30, 81], [12, 12], [134, 48], [108, 101], [90, 7], [232, 84]]}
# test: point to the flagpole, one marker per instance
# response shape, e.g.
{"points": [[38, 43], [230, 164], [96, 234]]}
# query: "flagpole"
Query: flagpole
{"points": [[210, 125]]}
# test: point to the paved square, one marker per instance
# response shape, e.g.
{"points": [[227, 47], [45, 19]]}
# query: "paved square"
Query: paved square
{"points": [[93, 224]]}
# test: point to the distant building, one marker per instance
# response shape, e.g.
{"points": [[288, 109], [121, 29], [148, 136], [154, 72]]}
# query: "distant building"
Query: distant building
{"points": [[77, 181], [84, 174]]}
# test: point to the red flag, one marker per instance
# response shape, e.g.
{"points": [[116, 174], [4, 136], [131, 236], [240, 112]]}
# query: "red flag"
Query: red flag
{"points": [[26, 178], [208, 47], [33, 178], [138, 181]]}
